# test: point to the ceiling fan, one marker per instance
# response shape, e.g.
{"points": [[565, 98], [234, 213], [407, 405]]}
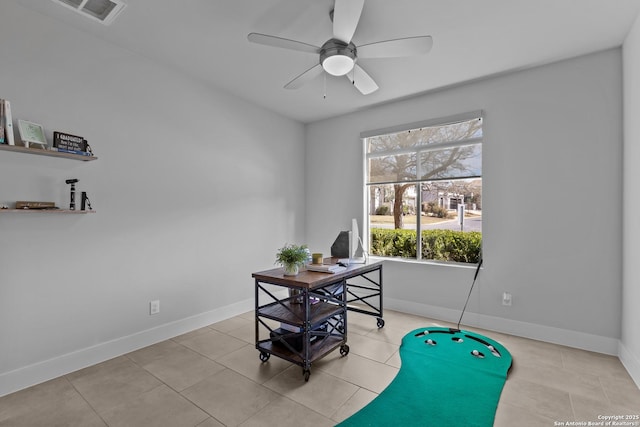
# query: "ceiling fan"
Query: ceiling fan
{"points": [[338, 55]]}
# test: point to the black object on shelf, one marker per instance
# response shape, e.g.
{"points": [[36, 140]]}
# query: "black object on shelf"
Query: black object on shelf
{"points": [[85, 202], [72, 203], [295, 339]]}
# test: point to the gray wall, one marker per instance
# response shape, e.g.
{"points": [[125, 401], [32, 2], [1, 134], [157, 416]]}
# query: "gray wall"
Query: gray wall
{"points": [[190, 192], [630, 341], [552, 194]]}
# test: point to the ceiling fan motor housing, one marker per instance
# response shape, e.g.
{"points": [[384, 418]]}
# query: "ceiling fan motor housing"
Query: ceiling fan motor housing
{"points": [[337, 57]]}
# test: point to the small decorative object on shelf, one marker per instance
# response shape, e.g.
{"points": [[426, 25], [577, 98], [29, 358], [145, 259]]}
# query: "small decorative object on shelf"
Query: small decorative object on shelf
{"points": [[31, 133], [23, 204], [67, 143], [85, 202], [72, 198], [292, 257], [2, 121], [6, 123]]}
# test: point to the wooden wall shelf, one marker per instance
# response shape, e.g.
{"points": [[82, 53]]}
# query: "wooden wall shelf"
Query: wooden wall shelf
{"points": [[58, 211], [42, 152]]}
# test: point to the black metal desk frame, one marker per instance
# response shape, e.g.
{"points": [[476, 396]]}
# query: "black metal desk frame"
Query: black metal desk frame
{"points": [[317, 309]]}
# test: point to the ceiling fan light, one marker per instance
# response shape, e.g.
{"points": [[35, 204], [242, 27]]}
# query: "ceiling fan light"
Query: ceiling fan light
{"points": [[338, 65], [337, 58]]}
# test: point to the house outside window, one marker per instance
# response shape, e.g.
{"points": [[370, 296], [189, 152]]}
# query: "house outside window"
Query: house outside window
{"points": [[424, 190]]}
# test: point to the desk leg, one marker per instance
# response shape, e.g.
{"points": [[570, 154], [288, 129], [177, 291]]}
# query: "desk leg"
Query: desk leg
{"points": [[344, 348], [380, 319], [306, 342], [366, 290], [256, 313]]}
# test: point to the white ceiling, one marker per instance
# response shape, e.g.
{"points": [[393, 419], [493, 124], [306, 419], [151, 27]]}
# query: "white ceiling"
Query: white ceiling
{"points": [[207, 39]]}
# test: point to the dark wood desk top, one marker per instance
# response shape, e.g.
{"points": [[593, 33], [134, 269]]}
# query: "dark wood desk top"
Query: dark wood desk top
{"points": [[312, 279]]}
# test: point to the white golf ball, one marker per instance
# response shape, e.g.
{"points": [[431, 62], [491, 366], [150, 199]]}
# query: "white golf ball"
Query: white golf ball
{"points": [[475, 352]]}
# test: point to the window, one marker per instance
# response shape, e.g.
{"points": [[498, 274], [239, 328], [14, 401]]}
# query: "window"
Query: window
{"points": [[424, 190]]}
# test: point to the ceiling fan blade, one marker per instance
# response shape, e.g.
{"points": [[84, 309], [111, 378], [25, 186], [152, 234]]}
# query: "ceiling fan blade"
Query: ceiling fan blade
{"points": [[346, 14], [362, 81], [305, 77], [408, 46], [282, 43]]}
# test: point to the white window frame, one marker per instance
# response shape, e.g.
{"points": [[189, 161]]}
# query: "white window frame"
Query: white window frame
{"points": [[443, 121]]}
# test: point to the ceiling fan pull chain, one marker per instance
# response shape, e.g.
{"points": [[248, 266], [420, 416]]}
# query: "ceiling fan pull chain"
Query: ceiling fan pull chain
{"points": [[324, 86]]}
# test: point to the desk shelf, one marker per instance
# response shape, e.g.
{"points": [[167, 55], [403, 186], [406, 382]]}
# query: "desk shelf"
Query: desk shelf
{"points": [[318, 350], [294, 313]]}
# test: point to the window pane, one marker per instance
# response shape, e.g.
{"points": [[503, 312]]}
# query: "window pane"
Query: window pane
{"points": [[392, 168], [424, 136], [442, 199], [444, 235], [384, 240], [393, 142], [457, 162]]}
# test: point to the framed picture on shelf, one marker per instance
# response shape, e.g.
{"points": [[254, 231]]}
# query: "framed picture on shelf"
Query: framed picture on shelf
{"points": [[31, 133]]}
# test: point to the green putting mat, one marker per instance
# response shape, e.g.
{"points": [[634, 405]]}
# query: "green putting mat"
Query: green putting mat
{"points": [[448, 377]]}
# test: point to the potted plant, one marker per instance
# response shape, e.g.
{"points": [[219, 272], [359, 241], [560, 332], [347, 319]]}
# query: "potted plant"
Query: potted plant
{"points": [[292, 257]]}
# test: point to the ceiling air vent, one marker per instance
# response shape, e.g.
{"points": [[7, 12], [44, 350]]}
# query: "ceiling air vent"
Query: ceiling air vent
{"points": [[104, 11]]}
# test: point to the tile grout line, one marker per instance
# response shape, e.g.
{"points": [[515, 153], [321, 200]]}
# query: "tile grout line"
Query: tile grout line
{"points": [[179, 393], [85, 399]]}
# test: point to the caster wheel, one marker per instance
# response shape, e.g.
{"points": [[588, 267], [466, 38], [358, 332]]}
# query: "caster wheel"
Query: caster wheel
{"points": [[344, 350], [307, 374], [380, 322], [264, 356]]}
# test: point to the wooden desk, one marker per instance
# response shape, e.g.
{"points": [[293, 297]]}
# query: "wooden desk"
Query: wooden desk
{"points": [[315, 312]]}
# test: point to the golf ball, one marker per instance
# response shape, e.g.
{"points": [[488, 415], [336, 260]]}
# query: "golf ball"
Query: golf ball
{"points": [[475, 352]]}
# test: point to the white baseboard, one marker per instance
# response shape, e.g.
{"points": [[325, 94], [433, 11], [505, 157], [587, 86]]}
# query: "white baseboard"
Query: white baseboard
{"points": [[576, 339], [631, 363], [49, 369]]}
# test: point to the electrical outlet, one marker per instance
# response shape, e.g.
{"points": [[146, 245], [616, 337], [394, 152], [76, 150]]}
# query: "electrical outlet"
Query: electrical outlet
{"points": [[154, 307], [506, 298]]}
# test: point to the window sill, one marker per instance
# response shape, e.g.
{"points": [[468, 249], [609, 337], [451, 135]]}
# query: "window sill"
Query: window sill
{"points": [[428, 262]]}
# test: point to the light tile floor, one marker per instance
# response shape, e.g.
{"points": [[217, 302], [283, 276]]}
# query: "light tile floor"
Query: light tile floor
{"points": [[213, 377]]}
